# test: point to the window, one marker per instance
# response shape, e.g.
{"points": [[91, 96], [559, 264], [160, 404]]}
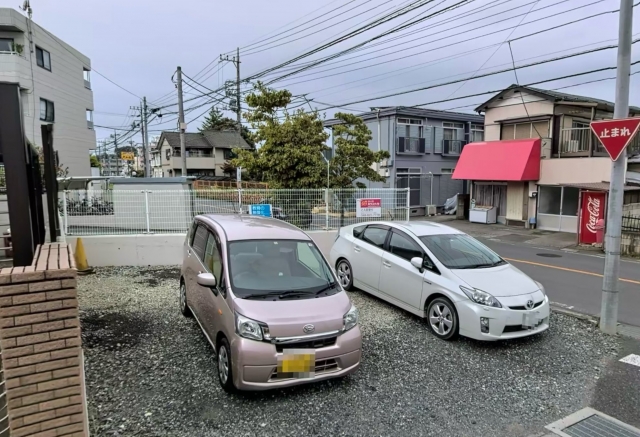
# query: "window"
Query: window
{"points": [[43, 58], [46, 110], [307, 257], [357, 232], [6, 44], [453, 131], [259, 267], [200, 241], [403, 247], [519, 131], [477, 133], [89, 119], [410, 136], [87, 78], [558, 200], [212, 258], [375, 236], [446, 170], [228, 154], [460, 251]]}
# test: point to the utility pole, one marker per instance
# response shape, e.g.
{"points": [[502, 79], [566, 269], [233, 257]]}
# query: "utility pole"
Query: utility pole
{"points": [[115, 149], [145, 139], [183, 147], [610, 283], [236, 62]]}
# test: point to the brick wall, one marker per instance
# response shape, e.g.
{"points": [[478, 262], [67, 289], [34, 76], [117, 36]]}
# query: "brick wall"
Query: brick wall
{"points": [[41, 346]]}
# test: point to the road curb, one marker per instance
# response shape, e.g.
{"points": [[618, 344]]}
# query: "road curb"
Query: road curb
{"points": [[589, 318], [623, 330]]}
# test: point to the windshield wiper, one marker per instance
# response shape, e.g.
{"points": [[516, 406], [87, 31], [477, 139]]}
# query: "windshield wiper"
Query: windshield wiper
{"points": [[278, 294], [329, 286]]}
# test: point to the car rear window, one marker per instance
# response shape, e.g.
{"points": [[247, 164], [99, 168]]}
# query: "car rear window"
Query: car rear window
{"points": [[375, 236]]}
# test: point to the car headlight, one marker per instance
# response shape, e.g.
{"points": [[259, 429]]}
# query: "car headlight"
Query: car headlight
{"points": [[481, 297], [248, 328], [541, 287], [350, 319]]}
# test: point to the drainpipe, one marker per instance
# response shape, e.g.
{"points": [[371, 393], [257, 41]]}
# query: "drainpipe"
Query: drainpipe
{"points": [[379, 131]]}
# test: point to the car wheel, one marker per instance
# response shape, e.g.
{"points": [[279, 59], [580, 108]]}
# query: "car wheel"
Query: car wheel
{"points": [[184, 307], [443, 319], [225, 373], [345, 274]]}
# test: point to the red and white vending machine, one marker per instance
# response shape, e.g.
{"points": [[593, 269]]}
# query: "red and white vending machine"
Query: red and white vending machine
{"points": [[592, 214]]}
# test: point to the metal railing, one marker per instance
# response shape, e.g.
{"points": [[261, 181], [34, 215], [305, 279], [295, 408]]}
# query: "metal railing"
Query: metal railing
{"points": [[120, 212], [452, 147], [577, 140], [630, 223]]}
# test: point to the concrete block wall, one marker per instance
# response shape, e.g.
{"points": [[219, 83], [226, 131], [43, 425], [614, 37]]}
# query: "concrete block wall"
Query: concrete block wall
{"points": [[41, 346]]}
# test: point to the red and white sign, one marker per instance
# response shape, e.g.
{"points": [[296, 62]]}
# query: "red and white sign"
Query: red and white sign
{"points": [[368, 207], [592, 210], [615, 135]]}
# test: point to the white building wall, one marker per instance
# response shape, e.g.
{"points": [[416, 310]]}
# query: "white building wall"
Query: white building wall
{"points": [[64, 85]]}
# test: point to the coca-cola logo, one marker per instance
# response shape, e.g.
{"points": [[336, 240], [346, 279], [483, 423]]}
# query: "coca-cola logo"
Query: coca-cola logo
{"points": [[593, 207]]}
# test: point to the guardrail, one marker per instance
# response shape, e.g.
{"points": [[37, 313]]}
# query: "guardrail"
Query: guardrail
{"points": [[120, 212]]}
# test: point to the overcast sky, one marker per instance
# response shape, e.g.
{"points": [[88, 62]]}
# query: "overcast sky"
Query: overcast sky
{"points": [[138, 44]]}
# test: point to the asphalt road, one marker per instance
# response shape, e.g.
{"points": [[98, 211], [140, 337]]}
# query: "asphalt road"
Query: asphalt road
{"points": [[574, 280]]}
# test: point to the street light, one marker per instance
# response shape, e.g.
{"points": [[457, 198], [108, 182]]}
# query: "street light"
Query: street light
{"points": [[326, 200]]}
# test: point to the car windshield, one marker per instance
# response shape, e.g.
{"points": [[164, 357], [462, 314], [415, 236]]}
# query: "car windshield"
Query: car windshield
{"points": [[261, 268], [460, 251]]}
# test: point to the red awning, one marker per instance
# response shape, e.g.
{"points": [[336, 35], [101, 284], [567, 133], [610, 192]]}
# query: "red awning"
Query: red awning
{"points": [[509, 160]]}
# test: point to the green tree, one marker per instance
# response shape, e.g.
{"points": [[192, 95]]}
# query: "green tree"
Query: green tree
{"points": [[353, 158], [216, 121], [94, 162], [291, 144], [228, 168]]}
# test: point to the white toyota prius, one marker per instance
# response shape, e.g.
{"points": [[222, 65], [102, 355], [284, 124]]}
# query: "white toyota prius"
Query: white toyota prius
{"points": [[439, 273]]}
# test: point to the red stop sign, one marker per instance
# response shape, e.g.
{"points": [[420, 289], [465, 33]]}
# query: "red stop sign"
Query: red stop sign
{"points": [[615, 135]]}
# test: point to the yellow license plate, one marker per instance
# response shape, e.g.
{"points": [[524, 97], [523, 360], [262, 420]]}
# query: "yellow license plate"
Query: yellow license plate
{"points": [[297, 363]]}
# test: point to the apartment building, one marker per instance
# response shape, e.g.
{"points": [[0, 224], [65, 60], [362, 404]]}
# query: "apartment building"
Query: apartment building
{"points": [[206, 153], [424, 145], [541, 164], [55, 86]]}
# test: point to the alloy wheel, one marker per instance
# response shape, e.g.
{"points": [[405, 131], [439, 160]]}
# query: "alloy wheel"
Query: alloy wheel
{"points": [[183, 298], [223, 364], [441, 318], [344, 274]]}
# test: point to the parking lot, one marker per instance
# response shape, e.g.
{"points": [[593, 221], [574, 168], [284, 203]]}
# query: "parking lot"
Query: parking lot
{"points": [[151, 372]]}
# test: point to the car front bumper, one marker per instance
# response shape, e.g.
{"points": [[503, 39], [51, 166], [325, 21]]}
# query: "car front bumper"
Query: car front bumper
{"points": [[504, 323], [255, 363]]}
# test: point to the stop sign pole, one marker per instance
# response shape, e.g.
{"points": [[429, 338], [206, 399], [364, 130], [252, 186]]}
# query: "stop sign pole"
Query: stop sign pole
{"points": [[610, 283]]}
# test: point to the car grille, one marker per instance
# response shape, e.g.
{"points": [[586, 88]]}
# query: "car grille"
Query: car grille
{"points": [[523, 308], [520, 328], [322, 366], [311, 344]]}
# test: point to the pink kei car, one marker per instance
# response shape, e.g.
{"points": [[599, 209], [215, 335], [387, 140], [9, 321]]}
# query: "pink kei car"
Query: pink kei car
{"points": [[268, 302]]}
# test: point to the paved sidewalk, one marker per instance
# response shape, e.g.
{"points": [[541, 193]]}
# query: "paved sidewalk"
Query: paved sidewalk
{"points": [[512, 234]]}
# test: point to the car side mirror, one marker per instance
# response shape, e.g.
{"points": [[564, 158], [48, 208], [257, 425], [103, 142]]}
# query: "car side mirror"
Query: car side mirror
{"points": [[207, 280], [418, 263]]}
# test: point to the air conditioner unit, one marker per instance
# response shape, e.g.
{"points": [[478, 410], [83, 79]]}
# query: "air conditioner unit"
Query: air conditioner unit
{"points": [[430, 210], [384, 172], [545, 149]]}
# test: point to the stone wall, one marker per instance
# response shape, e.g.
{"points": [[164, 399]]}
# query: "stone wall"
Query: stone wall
{"points": [[41, 346]]}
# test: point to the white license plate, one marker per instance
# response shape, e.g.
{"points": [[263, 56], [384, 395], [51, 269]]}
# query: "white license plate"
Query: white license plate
{"points": [[530, 320]]}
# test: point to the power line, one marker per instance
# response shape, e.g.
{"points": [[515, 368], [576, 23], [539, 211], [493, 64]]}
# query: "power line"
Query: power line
{"points": [[545, 61], [317, 31], [454, 43], [397, 29]]}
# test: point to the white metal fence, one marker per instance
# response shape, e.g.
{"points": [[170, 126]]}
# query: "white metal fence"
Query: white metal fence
{"points": [[118, 212]]}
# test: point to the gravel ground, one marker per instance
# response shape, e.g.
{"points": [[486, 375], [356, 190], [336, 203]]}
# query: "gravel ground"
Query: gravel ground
{"points": [[151, 372]]}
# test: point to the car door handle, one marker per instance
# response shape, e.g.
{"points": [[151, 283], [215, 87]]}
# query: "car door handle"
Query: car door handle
{"points": [[386, 264], [427, 282], [356, 248]]}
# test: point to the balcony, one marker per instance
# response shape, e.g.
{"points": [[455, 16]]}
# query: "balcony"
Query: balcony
{"points": [[15, 68], [582, 141], [452, 147], [408, 145], [199, 162]]}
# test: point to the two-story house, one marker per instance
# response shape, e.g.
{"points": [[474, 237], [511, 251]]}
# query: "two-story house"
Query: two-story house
{"points": [[424, 145], [207, 153], [55, 86], [541, 163]]}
